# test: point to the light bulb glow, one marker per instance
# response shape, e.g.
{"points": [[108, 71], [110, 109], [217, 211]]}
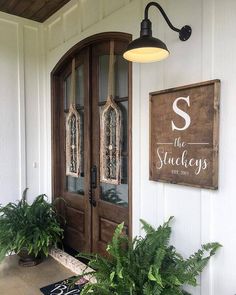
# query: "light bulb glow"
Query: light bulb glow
{"points": [[146, 54]]}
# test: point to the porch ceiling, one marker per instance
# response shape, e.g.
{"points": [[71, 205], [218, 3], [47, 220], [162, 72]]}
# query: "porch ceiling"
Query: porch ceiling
{"points": [[37, 10]]}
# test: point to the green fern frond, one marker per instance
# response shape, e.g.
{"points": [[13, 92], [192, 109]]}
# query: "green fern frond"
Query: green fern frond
{"points": [[147, 265], [35, 227]]}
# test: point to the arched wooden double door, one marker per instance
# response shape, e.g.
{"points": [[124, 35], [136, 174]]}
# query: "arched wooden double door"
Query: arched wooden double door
{"points": [[92, 209]]}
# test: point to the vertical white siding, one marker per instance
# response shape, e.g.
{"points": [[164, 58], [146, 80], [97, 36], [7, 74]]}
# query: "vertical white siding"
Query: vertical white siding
{"points": [[224, 201], [19, 107], [200, 215], [9, 111], [32, 103], [71, 22]]}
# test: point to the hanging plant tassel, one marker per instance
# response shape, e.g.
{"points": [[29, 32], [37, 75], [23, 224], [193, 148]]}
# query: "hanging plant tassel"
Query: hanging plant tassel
{"points": [[73, 132], [110, 132]]}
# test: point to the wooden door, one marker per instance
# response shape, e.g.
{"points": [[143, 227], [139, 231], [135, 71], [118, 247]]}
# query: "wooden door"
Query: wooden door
{"points": [[75, 207], [91, 209], [111, 205]]}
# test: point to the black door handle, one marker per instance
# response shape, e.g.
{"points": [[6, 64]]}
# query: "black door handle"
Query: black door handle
{"points": [[94, 176], [91, 199], [93, 185]]}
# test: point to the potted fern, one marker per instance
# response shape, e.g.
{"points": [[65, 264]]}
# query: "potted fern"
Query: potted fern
{"points": [[146, 266], [29, 230]]}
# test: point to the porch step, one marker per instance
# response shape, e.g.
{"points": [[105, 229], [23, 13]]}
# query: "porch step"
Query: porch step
{"points": [[71, 263]]}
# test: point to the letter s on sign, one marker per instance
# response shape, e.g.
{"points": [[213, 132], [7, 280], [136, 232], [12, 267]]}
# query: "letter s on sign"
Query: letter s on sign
{"points": [[181, 113]]}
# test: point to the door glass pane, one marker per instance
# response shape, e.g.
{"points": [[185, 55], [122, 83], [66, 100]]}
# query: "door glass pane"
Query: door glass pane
{"points": [[116, 194], [121, 77], [76, 184], [103, 77]]}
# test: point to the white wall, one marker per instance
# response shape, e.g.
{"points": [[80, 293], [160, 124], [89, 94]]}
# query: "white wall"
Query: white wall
{"points": [[21, 92], [200, 215]]}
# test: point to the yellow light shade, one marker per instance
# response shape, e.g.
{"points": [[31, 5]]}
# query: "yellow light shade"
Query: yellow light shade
{"points": [[146, 49], [146, 54]]}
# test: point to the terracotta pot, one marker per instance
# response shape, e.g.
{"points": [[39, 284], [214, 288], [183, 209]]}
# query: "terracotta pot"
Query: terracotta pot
{"points": [[27, 259]]}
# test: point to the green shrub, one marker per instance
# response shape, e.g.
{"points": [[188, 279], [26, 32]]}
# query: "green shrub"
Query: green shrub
{"points": [[32, 227], [146, 266]]}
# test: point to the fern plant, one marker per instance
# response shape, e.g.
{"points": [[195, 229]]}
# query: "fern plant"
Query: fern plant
{"points": [[146, 266], [32, 227]]}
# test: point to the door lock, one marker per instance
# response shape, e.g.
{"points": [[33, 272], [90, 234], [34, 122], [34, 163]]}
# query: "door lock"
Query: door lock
{"points": [[94, 176], [91, 199], [93, 186]]}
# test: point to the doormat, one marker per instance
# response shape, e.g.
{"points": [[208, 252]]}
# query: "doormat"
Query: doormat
{"points": [[64, 287]]}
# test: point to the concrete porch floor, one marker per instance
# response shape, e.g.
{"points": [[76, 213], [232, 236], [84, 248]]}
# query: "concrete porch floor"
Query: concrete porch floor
{"points": [[18, 280]]}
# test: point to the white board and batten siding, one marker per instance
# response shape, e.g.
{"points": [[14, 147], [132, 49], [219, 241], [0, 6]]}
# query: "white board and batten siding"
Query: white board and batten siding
{"points": [[201, 215], [21, 117]]}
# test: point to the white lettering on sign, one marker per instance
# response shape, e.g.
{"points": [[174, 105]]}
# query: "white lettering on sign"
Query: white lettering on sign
{"points": [[181, 113], [165, 158]]}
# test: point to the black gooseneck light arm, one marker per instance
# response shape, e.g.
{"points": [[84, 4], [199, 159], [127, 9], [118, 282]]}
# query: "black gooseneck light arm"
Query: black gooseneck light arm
{"points": [[184, 32]]}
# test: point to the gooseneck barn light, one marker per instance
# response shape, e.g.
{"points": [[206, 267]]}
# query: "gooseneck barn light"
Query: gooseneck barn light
{"points": [[147, 48]]}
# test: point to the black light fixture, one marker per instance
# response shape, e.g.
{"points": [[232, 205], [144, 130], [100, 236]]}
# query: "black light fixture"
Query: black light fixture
{"points": [[147, 48]]}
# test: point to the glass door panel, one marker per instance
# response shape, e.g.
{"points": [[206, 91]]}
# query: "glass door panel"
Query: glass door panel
{"points": [[121, 77], [76, 184], [116, 194], [92, 209]]}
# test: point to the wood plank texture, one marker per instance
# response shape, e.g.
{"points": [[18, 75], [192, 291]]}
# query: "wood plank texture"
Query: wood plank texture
{"points": [[88, 228], [37, 10], [187, 155]]}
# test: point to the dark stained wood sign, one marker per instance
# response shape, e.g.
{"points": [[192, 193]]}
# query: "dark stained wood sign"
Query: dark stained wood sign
{"points": [[184, 135]]}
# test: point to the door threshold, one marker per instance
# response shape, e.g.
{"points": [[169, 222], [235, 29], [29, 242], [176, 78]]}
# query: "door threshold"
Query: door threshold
{"points": [[71, 263]]}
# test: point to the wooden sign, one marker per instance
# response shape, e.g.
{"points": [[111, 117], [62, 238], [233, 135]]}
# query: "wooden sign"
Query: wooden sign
{"points": [[184, 135]]}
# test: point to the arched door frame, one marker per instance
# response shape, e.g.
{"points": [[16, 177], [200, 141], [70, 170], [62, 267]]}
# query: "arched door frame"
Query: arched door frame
{"points": [[55, 90]]}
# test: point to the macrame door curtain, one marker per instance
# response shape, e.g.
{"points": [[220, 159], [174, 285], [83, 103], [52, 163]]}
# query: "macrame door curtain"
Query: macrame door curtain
{"points": [[73, 129], [110, 131]]}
